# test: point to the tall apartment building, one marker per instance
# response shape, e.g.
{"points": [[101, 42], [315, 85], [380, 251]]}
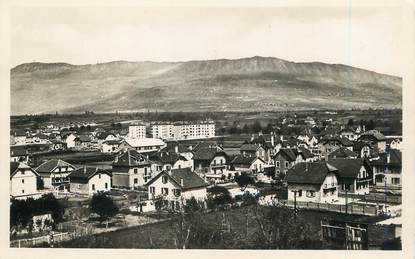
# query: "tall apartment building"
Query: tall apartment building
{"points": [[136, 131], [183, 130], [162, 131]]}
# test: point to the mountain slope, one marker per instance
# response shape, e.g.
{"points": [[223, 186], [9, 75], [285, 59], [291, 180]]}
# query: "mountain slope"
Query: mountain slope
{"points": [[257, 83]]}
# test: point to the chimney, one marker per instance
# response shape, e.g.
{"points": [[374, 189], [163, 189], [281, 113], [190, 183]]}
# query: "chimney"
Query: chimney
{"points": [[364, 128], [388, 157], [190, 148], [272, 140], [281, 138], [176, 149], [84, 169], [181, 182], [252, 137], [260, 133]]}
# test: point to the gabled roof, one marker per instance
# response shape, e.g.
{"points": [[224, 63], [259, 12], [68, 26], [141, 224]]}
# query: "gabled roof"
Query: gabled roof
{"points": [[289, 154], [86, 173], [342, 140], [250, 147], [49, 166], [309, 173], [104, 135], [375, 134], [19, 150], [395, 158], [206, 144], [244, 160], [190, 179], [348, 168], [305, 152], [171, 147], [208, 153], [83, 138], [16, 166], [342, 152], [112, 142], [131, 158], [167, 157]]}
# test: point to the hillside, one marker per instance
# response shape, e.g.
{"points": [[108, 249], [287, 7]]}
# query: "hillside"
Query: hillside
{"points": [[257, 83]]}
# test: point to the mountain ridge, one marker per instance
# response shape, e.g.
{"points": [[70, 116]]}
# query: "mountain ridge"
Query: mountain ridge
{"points": [[253, 83]]}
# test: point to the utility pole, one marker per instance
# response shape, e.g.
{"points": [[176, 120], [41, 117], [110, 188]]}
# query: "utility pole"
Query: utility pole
{"points": [[386, 198], [295, 204], [346, 199]]}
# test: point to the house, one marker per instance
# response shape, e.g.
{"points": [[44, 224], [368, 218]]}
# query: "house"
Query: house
{"points": [[70, 140], [354, 175], [210, 162], [374, 137], [83, 142], [110, 146], [255, 150], [364, 149], [19, 154], [54, 173], [394, 142], [19, 136], [247, 164], [89, 180], [58, 144], [177, 186], [142, 145], [179, 148], [171, 160], [342, 152], [286, 158], [330, 143], [387, 169], [312, 182], [349, 133], [130, 169], [23, 181]]}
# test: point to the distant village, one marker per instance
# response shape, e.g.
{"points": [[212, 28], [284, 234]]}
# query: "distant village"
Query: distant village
{"points": [[335, 168]]}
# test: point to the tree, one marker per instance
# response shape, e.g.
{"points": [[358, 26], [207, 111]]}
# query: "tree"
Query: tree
{"points": [[104, 206], [278, 229], [244, 180], [256, 127], [218, 196], [350, 123]]}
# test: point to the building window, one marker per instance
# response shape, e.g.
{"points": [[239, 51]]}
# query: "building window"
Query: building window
{"points": [[396, 181], [145, 170], [310, 194], [99, 176], [93, 187], [22, 180], [135, 181], [286, 164], [300, 193], [164, 179], [22, 191], [165, 191], [278, 164], [106, 185], [152, 190], [135, 170]]}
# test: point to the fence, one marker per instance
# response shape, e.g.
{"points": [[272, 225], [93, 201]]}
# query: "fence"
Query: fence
{"points": [[360, 209], [375, 197], [32, 242]]}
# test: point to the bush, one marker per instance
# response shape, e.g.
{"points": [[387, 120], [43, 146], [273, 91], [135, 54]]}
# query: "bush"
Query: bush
{"points": [[103, 205]]}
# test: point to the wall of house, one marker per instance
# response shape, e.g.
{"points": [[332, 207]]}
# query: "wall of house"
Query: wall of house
{"points": [[280, 164], [306, 190], [199, 194], [218, 164], [98, 181], [258, 165], [139, 176], [158, 185], [70, 141], [330, 181], [81, 188], [23, 183], [382, 146], [183, 164]]}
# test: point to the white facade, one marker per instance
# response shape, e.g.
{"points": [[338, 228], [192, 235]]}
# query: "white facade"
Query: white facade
{"points": [[169, 190], [183, 131], [70, 141], [325, 193], [143, 145], [136, 131], [99, 182], [162, 131], [23, 182]]}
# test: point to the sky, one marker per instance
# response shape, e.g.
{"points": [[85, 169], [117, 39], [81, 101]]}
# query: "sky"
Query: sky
{"points": [[365, 37]]}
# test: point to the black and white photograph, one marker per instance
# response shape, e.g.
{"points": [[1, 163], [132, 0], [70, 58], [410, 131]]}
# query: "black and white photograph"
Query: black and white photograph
{"points": [[208, 127]]}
